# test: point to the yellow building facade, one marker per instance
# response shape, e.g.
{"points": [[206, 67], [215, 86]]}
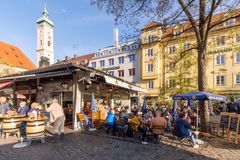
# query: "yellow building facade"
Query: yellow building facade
{"points": [[174, 63]]}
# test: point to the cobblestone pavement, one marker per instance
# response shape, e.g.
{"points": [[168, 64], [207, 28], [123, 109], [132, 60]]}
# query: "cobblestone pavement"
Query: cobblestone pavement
{"points": [[99, 146]]}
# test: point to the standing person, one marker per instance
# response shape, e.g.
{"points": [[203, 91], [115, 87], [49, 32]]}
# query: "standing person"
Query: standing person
{"points": [[4, 105], [111, 119], [223, 106], [58, 118], [23, 110], [231, 106], [237, 104]]}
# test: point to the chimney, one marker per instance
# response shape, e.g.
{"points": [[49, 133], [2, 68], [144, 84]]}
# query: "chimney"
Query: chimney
{"points": [[115, 36], [67, 58], [75, 56]]}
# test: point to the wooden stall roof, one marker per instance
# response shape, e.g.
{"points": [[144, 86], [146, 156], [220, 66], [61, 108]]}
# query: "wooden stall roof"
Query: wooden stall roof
{"points": [[66, 69]]}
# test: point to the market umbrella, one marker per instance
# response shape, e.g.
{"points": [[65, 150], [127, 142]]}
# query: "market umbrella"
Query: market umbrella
{"points": [[174, 110], [93, 109], [201, 96], [144, 106]]}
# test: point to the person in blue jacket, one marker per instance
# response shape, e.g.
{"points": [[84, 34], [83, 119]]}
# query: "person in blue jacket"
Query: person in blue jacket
{"points": [[23, 110], [111, 119], [183, 128]]}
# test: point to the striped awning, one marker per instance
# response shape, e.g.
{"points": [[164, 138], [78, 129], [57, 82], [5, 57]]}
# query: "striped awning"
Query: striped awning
{"points": [[5, 84]]}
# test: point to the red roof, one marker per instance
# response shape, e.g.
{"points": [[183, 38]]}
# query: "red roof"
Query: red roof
{"points": [[168, 32], [13, 56], [79, 59], [151, 24]]}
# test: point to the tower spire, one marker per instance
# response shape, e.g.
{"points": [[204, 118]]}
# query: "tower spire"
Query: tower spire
{"points": [[45, 12]]}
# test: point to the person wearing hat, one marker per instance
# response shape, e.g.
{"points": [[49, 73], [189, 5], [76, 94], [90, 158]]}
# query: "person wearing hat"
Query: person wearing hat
{"points": [[58, 118], [4, 105]]}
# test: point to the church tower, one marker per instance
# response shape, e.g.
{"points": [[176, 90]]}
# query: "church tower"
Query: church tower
{"points": [[44, 51]]}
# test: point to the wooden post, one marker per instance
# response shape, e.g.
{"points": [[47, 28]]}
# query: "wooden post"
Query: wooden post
{"points": [[77, 100], [14, 95]]}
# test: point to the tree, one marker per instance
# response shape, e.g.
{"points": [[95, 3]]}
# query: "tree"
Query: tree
{"points": [[199, 13]]}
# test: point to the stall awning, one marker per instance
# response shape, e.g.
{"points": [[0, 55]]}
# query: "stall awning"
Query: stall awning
{"points": [[119, 83], [5, 84]]}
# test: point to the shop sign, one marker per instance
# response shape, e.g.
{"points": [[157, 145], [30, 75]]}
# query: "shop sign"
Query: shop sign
{"points": [[111, 68]]}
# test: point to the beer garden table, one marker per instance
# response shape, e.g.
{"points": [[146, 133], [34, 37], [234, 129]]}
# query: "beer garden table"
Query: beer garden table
{"points": [[11, 124]]}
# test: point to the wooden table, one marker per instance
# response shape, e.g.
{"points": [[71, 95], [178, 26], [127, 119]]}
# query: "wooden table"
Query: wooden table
{"points": [[11, 124], [35, 128]]}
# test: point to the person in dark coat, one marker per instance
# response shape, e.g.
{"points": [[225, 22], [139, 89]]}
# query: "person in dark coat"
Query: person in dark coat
{"points": [[232, 106]]}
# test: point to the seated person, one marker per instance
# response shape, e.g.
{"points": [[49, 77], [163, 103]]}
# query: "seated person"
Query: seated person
{"points": [[149, 115], [137, 127], [34, 111], [157, 122], [183, 128], [168, 118], [123, 122], [23, 108], [4, 105], [111, 119]]}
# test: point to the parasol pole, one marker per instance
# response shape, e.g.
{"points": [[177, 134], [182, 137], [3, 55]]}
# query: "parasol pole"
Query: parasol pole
{"points": [[197, 124]]}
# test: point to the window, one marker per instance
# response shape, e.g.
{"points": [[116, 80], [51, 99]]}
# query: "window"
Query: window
{"points": [[131, 57], [171, 49], [187, 46], [111, 73], [111, 62], [49, 43], [221, 41], [121, 73], [171, 83], [220, 80], [125, 48], [229, 22], [150, 68], [121, 60], [150, 52], [220, 59], [131, 72], [150, 85], [237, 38], [102, 63], [238, 79], [150, 38], [238, 58], [94, 65]]}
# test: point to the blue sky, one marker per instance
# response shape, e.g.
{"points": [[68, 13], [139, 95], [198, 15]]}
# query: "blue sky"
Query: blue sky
{"points": [[79, 27]]}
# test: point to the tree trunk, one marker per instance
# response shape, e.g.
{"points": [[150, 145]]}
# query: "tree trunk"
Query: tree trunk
{"points": [[203, 107]]}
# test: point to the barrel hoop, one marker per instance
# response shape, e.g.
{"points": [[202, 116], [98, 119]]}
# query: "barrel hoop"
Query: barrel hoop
{"points": [[35, 132], [35, 125], [12, 122]]}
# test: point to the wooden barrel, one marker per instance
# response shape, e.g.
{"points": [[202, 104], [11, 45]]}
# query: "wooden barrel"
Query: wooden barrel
{"points": [[35, 128], [11, 125]]}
